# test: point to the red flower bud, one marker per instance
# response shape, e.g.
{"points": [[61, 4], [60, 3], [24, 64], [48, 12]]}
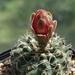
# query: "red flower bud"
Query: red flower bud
{"points": [[41, 20], [43, 25]]}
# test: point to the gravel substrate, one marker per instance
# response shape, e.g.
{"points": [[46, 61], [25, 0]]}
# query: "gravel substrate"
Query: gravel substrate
{"points": [[6, 69]]}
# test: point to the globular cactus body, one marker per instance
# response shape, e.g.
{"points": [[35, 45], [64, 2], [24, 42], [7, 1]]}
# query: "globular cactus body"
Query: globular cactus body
{"points": [[42, 54], [29, 59]]}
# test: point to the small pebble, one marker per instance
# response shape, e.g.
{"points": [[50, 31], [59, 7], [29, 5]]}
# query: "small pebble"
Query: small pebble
{"points": [[0, 69], [1, 64], [73, 69]]}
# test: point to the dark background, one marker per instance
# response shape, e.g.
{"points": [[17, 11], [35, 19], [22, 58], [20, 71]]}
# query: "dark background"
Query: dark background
{"points": [[15, 19]]}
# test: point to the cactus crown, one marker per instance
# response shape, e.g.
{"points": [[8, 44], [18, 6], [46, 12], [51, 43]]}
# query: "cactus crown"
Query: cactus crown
{"points": [[48, 56]]}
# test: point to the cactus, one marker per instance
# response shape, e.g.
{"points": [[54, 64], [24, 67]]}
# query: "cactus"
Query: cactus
{"points": [[44, 53]]}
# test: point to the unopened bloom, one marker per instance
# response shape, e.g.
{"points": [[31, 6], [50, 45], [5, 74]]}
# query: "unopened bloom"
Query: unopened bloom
{"points": [[41, 20], [43, 24]]}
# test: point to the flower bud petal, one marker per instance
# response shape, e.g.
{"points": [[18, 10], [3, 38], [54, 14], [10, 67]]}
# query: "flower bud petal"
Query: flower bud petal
{"points": [[32, 17], [54, 24], [50, 19], [41, 23], [49, 14], [32, 30], [50, 30]]}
